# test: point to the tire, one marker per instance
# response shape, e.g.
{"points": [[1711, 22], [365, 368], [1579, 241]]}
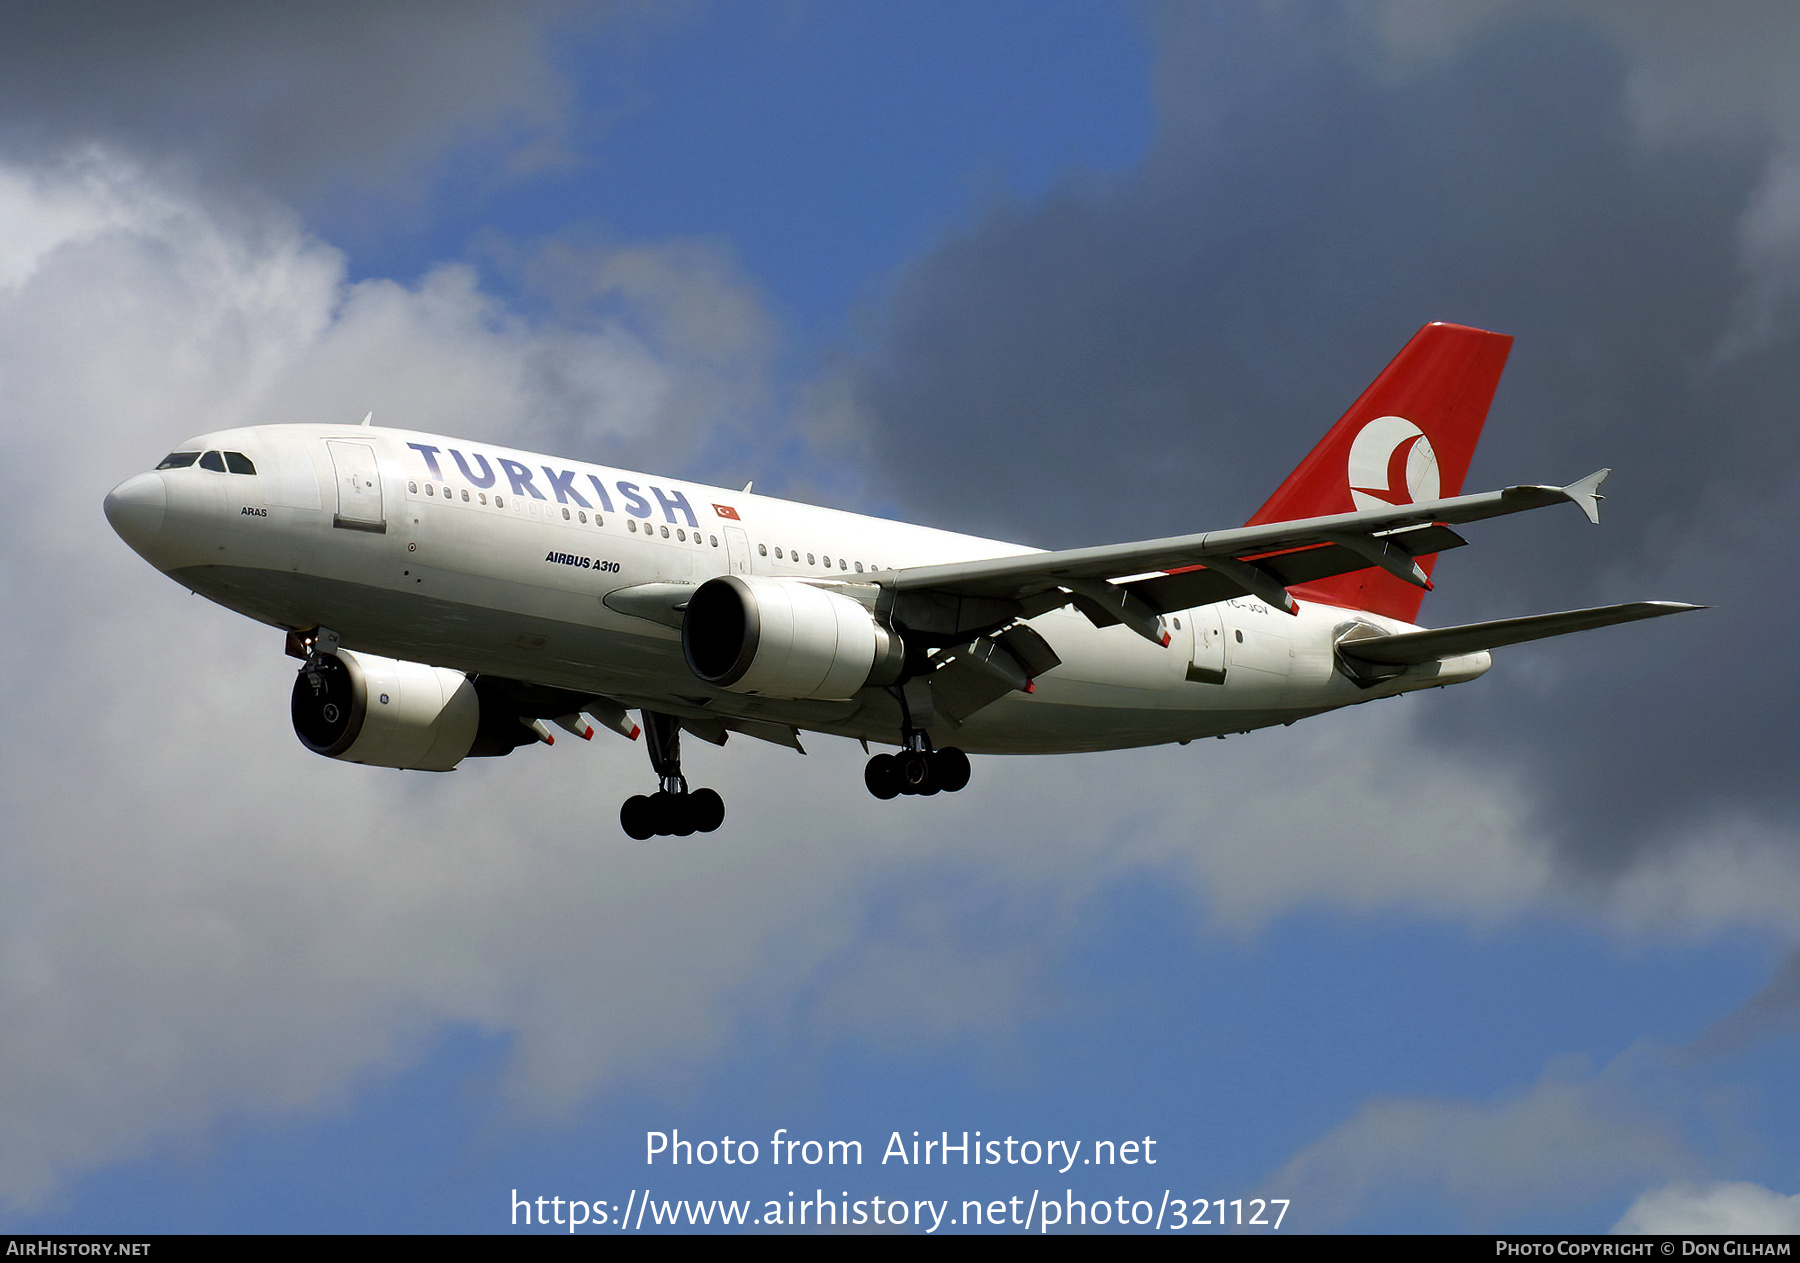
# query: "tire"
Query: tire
{"points": [[671, 814], [637, 818], [915, 773], [707, 810], [951, 772], [882, 776]]}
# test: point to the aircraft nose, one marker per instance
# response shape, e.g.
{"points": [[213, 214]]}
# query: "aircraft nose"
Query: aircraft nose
{"points": [[135, 508]]}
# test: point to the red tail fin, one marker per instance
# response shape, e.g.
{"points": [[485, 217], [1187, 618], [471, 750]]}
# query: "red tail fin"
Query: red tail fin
{"points": [[1409, 437]]}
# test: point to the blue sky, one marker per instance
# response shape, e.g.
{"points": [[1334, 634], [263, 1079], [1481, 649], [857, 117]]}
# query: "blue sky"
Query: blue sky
{"points": [[1518, 956]]}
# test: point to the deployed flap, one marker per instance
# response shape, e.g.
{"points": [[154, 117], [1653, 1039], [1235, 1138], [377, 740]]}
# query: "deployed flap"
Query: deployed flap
{"points": [[963, 686], [1408, 648], [1032, 650], [973, 676], [711, 730], [1186, 589], [765, 730]]}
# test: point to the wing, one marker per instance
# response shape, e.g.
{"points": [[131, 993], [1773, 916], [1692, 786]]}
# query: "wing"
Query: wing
{"points": [[1137, 583]]}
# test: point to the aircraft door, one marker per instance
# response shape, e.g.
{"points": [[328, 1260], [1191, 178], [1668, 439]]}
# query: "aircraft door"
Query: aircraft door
{"points": [[358, 486], [737, 546], [1207, 666]]}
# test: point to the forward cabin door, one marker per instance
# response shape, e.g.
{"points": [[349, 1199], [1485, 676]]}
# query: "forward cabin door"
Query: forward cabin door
{"points": [[358, 486]]}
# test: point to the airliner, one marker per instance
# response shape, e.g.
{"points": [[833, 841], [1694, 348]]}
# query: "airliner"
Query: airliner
{"points": [[450, 598]]}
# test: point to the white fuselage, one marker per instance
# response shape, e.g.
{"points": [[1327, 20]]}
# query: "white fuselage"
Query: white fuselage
{"points": [[495, 561]]}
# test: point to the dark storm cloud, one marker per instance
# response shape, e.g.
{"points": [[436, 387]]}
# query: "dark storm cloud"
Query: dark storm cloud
{"points": [[1153, 357], [288, 97]]}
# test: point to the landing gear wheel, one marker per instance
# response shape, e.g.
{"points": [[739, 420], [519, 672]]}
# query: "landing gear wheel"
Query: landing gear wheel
{"points": [[915, 773], [882, 776], [669, 812], [950, 769], [673, 809], [637, 817], [706, 809]]}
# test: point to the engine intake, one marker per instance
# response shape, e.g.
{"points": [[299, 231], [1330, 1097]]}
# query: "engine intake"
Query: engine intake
{"points": [[785, 638], [386, 713]]}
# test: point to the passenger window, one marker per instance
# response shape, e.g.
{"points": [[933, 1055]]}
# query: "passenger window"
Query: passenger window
{"points": [[665, 532], [583, 518], [238, 463], [828, 563], [465, 497], [214, 462], [714, 539], [412, 488], [429, 491], [179, 460], [762, 550], [499, 502], [631, 525], [859, 567], [844, 565], [1240, 637], [679, 534], [778, 556], [565, 513], [810, 561], [482, 496]]}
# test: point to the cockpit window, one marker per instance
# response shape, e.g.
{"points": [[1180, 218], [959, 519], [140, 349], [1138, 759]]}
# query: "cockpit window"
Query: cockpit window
{"points": [[179, 460], [214, 462], [238, 463]]}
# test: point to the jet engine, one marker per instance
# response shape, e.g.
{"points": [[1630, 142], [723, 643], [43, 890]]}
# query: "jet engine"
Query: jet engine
{"points": [[386, 713], [786, 638]]}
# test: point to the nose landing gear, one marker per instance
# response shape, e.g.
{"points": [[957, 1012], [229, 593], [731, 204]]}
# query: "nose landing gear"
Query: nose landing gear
{"points": [[672, 810]]}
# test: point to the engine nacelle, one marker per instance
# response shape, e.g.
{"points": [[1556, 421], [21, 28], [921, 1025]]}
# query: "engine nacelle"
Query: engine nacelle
{"points": [[386, 713], [785, 638]]}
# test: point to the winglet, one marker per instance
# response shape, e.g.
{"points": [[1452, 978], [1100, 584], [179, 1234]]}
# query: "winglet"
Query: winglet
{"points": [[1585, 492]]}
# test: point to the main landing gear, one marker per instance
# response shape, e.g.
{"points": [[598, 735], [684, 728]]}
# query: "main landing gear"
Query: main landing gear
{"points": [[672, 809], [917, 769]]}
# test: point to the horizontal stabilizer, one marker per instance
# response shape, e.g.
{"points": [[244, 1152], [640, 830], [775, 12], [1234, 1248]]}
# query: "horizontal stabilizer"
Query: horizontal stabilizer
{"points": [[1408, 648]]}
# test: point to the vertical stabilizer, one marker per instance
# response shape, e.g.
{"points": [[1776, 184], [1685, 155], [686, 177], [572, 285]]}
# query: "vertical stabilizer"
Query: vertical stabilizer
{"points": [[1409, 437]]}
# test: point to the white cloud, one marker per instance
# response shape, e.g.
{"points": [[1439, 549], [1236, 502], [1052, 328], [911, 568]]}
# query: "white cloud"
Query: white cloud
{"points": [[1565, 1140], [1727, 874], [290, 98], [200, 918], [1713, 1209]]}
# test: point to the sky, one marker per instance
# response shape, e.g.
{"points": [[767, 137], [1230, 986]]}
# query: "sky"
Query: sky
{"points": [[1522, 956]]}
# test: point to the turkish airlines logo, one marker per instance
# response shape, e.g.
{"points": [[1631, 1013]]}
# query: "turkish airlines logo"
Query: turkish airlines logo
{"points": [[1392, 463]]}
